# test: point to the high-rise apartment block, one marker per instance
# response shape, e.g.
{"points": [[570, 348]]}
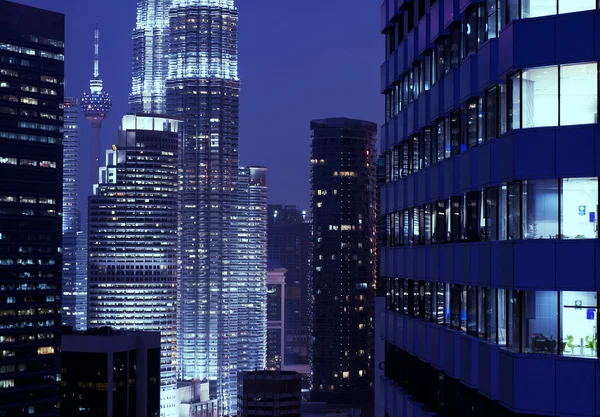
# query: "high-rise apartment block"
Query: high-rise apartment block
{"points": [[489, 275], [31, 167], [269, 393], [110, 373], [132, 268], [275, 315], [289, 243], [343, 199]]}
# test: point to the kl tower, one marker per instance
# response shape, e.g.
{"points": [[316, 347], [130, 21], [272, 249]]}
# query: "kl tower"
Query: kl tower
{"points": [[96, 105]]}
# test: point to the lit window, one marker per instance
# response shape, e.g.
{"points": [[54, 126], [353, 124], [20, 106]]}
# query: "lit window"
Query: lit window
{"points": [[346, 374], [46, 350], [7, 383]]}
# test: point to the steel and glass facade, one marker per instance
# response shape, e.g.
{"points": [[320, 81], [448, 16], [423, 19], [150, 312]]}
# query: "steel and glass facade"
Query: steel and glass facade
{"points": [[222, 248], [74, 299], [289, 243], [132, 268], [488, 286], [343, 203], [31, 167], [150, 51]]}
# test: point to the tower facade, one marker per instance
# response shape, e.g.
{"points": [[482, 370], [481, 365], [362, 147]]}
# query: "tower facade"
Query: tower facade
{"points": [[150, 57], [132, 269], [490, 198], [96, 106], [289, 243], [222, 316], [343, 182], [31, 166], [74, 306]]}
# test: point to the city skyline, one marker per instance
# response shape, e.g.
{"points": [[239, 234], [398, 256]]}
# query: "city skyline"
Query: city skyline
{"points": [[347, 85]]}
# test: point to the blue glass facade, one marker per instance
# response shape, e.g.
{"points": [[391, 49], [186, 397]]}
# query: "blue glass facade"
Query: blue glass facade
{"points": [[488, 287]]}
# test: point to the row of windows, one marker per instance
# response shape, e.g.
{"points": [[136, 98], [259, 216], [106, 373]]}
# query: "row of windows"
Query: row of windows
{"points": [[531, 209], [28, 113], [31, 51], [26, 200], [30, 138], [484, 22], [531, 99], [30, 75], [544, 322]]}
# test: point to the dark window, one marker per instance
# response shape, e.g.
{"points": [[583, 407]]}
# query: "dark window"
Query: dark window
{"points": [[416, 159], [426, 149], [439, 303], [456, 222], [492, 18], [426, 73], [455, 134], [405, 158], [455, 301], [514, 210], [473, 216], [491, 314], [491, 213], [439, 235], [396, 229], [428, 307], [410, 16], [440, 140], [491, 113], [514, 321], [471, 32], [514, 101], [427, 224], [440, 59], [512, 10], [455, 37], [421, 9], [472, 123], [472, 310]]}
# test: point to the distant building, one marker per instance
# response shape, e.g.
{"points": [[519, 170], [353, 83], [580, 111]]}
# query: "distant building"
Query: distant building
{"points": [[343, 180], [195, 399], [289, 243], [275, 315], [31, 167], [109, 373], [132, 265], [269, 393], [320, 409]]}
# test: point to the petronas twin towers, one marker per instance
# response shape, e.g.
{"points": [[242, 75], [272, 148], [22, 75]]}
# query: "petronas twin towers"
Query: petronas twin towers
{"points": [[185, 65]]}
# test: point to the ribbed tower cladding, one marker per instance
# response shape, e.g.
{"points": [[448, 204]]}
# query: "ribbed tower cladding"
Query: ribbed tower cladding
{"points": [[219, 330], [150, 52], [133, 240], [96, 106], [74, 291]]}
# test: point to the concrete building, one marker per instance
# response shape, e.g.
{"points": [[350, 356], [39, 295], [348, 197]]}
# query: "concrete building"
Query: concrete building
{"points": [[110, 373], [488, 286]]}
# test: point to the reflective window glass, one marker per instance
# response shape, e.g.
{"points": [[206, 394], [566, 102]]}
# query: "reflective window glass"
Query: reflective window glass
{"points": [[537, 8], [540, 322], [540, 209], [579, 208], [578, 94], [540, 97], [579, 331]]}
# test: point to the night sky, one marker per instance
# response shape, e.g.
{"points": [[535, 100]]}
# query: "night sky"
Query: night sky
{"points": [[299, 60]]}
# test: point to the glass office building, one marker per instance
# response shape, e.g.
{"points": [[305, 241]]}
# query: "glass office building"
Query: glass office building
{"points": [[488, 287], [289, 243], [74, 298], [132, 270], [150, 63], [31, 167], [343, 203], [222, 248]]}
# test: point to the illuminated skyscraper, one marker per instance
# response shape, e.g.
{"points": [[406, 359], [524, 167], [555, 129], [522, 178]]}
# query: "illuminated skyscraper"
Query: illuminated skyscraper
{"points": [[31, 168], [150, 51], [74, 307], [343, 180], [96, 105], [133, 239]]}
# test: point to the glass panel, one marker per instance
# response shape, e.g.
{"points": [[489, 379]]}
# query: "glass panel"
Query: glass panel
{"points": [[578, 94], [428, 297], [491, 314], [397, 293], [579, 208], [441, 146], [440, 226], [512, 10], [501, 316], [540, 97], [426, 154], [456, 299], [537, 8], [456, 219], [502, 212], [480, 120], [396, 162], [482, 30], [440, 298], [540, 323], [514, 321], [447, 304], [472, 123], [514, 102], [441, 56], [492, 18], [427, 72], [405, 233], [410, 224], [472, 310], [471, 31], [514, 210], [578, 323], [463, 308], [491, 116], [491, 213], [397, 223], [503, 110], [447, 136], [473, 222], [427, 223], [455, 45], [418, 298], [481, 312], [540, 209], [570, 6], [405, 159], [455, 138], [416, 226], [416, 154]]}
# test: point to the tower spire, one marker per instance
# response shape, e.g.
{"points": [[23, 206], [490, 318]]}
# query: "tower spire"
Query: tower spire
{"points": [[96, 60]]}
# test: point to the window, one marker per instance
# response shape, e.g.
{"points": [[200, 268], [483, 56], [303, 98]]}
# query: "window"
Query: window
{"points": [[427, 313], [440, 235], [441, 58], [406, 158], [502, 310], [28, 200], [47, 164], [512, 10], [491, 314], [28, 163], [537, 8], [540, 322], [7, 383], [474, 217], [514, 321], [503, 110], [415, 221], [491, 213], [540, 209], [426, 148], [455, 133], [455, 41], [442, 152], [472, 310], [456, 303], [579, 331], [440, 300], [514, 101], [426, 73], [416, 159], [514, 210], [472, 123], [471, 32], [578, 94], [456, 219], [540, 97], [579, 208], [463, 308], [570, 6], [427, 222], [8, 161], [47, 350], [491, 115]]}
